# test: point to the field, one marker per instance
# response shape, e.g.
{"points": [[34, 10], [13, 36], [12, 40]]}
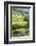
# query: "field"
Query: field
{"points": [[20, 22]]}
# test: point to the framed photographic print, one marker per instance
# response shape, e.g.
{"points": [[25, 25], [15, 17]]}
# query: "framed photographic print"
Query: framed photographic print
{"points": [[19, 26]]}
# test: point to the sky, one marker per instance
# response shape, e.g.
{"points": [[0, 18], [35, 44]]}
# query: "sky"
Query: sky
{"points": [[22, 9]]}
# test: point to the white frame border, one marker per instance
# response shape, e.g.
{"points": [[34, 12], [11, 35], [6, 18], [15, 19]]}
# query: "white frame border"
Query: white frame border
{"points": [[30, 23]]}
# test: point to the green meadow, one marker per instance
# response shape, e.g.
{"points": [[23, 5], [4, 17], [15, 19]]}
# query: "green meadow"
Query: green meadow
{"points": [[20, 23]]}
